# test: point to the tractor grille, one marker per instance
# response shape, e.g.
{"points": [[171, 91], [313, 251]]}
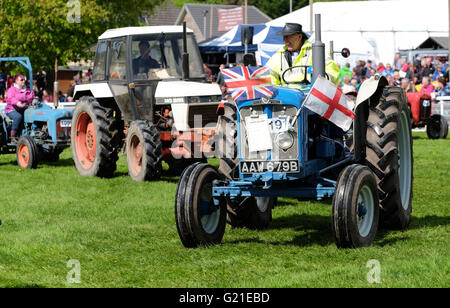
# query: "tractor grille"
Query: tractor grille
{"points": [[425, 109], [62, 131], [276, 153], [201, 115]]}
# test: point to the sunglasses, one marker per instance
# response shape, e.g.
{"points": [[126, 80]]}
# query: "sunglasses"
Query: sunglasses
{"points": [[21, 79]]}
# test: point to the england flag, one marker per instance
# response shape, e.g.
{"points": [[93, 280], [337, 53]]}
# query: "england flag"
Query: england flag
{"points": [[327, 100]]}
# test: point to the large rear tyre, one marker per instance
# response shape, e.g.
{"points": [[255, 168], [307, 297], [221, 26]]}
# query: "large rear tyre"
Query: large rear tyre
{"points": [[95, 138], [355, 209], [200, 222], [389, 155], [253, 213], [143, 148], [437, 128], [27, 153]]}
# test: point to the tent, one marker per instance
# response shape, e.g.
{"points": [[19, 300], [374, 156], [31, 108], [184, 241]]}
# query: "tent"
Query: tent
{"points": [[386, 26], [265, 42]]}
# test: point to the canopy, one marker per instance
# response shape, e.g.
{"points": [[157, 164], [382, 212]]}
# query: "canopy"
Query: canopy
{"points": [[386, 25], [265, 41]]}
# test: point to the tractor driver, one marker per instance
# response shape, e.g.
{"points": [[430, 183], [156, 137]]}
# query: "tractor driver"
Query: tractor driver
{"points": [[144, 62], [297, 50], [18, 99]]}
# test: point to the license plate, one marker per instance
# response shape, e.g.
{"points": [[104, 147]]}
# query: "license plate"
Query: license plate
{"points": [[65, 123], [279, 124], [287, 166]]}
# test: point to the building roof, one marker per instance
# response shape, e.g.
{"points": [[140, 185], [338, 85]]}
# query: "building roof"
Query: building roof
{"points": [[164, 14], [197, 11], [435, 42]]}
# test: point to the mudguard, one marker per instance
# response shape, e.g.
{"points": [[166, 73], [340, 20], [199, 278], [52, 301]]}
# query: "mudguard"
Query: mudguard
{"points": [[372, 87]]}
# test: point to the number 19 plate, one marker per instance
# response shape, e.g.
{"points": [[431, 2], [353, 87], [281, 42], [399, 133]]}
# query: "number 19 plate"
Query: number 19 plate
{"points": [[66, 123], [287, 166]]}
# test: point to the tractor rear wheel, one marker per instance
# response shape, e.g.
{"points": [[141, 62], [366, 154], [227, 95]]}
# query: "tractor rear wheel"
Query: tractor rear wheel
{"points": [[437, 127], [355, 208], [27, 153], [143, 148], [389, 155], [95, 138], [200, 222]]}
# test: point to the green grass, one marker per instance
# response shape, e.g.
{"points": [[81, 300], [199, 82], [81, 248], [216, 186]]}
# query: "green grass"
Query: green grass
{"points": [[123, 234]]}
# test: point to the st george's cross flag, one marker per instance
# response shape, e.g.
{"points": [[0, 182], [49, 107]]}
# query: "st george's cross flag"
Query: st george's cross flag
{"points": [[248, 82], [327, 100]]}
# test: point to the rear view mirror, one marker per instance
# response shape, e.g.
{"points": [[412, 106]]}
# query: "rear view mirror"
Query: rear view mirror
{"points": [[345, 52]]}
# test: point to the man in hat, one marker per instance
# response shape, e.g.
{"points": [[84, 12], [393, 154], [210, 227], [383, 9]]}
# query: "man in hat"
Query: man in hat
{"points": [[297, 51]]}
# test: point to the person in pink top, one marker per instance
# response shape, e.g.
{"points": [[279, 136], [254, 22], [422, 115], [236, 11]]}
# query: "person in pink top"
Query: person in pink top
{"points": [[18, 99], [427, 87]]}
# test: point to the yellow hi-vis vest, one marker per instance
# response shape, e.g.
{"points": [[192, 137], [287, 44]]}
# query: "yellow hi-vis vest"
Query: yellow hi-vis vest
{"points": [[278, 64]]}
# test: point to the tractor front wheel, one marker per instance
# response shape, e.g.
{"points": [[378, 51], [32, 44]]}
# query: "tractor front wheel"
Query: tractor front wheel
{"points": [[355, 209], [143, 148], [27, 153], [437, 127], [200, 219]]}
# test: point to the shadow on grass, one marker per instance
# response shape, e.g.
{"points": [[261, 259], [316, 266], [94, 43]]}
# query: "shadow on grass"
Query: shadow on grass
{"points": [[62, 162], [316, 230]]}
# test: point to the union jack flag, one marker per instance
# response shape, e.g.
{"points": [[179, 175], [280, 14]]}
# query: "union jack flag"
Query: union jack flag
{"points": [[248, 82]]}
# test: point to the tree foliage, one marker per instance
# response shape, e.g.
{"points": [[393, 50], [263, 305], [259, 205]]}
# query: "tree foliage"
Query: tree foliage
{"points": [[47, 30]]}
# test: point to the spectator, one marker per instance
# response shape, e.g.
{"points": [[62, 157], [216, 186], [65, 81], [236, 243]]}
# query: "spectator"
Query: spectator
{"points": [[439, 73], [397, 62], [442, 87], [2, 84], [381, 68], [347, 87], [345, 71], [71, 90], [427, 87], [396, 78], [361, 81], [369, 68], [390, 80], [405, 66], [408, 86], [61, 97], [427, 68], [9, 81], [46, 97], [388, 70]]}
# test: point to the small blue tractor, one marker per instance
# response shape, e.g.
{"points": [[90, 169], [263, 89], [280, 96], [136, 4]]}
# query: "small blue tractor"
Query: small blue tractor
{"points": [[368, 174], [45, 133]]}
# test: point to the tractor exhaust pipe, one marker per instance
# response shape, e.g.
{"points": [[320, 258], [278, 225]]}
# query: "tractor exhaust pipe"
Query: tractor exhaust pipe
{"points": [[185, 60], [318, 52]]}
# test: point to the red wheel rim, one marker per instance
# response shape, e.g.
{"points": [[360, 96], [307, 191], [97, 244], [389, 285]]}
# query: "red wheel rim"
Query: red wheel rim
{"points": [[24, 155], [135, 155], [85, 140]]}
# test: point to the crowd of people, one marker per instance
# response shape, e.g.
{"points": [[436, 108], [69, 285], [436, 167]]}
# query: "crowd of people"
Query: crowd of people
{"points": [[424, 75]]}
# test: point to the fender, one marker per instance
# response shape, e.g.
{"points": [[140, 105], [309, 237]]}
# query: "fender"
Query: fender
{"points": [[372, 87]]}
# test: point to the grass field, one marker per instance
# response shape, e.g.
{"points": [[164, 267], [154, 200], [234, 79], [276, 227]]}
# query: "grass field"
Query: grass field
{"points": [[123, 234]]}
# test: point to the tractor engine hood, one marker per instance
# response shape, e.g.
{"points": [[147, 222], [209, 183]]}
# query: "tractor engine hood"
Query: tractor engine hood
{"points": [[171, 92], [44, 113]]}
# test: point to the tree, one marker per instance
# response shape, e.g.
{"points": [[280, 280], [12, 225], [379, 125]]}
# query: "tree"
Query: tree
{"points": [[60, 29]]}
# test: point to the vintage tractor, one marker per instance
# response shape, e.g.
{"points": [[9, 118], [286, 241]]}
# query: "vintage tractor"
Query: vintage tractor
{"points": [[46, 130], [149, 97], [368, 174], [420, 105]]}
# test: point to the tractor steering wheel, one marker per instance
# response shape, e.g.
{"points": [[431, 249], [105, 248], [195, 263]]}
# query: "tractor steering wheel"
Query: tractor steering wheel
{"points": [[304, 81]]}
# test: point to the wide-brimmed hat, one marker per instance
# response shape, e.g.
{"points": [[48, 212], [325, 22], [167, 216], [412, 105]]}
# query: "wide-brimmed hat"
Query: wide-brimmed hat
{"points": [[291, 28]]}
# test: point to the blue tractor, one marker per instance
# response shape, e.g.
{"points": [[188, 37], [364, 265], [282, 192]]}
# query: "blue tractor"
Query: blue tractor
{"points": [[368, 174], [45, 133]]}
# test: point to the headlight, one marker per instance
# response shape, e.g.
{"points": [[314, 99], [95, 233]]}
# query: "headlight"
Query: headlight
{"points": [[284, 140]]}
